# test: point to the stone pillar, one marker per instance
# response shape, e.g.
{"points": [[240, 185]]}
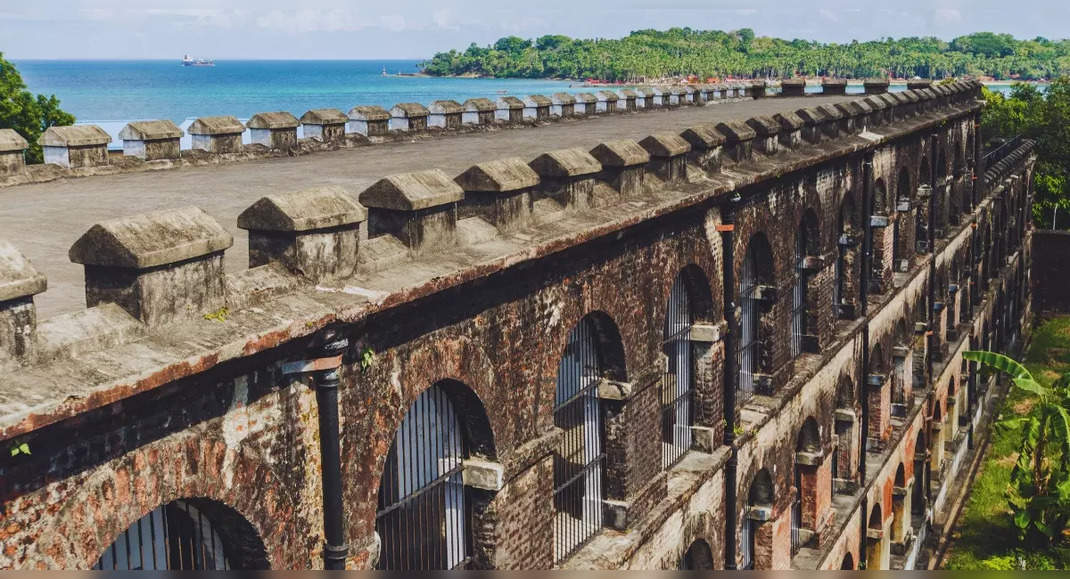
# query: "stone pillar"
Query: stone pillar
{"points": [[623, 165], [151, 140], [567, 176], [408, 117], [499, 192], [12, 152], [765, 134], [878, 397], [607, 101], [160, 267], [586, 104], [627, 101], [217, 134], [919, 83], [834, 86], [668, 155], [875, 85], [276, 130], [75, 146], [312, 233], [478, 111], [19, 282], [880, 114], [706, 144], [738, 140], [327, 125], [793, 87], [644, 98], [420, 209], [370, 121], [445, 114], [562, 104], [790, 134], [536, 108], [510, 109]]}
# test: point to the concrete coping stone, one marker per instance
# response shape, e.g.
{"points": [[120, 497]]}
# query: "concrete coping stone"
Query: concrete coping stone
{"points": [[645, 91], [900, 98], [74, 136], [498, 176], [793, 82], [910, 95], [223, 125], [834, 82], [627, 93], [408, 110], [736, 131], [565, 163], [562, 98], [272, 120], [888, 99], [585, 97], [703, 136], [324, 117], [662, 145], [831, 112], [877, 104], [479, 105], [412, 191], [789, 121], [875, 82], [607, 96], [537, 100], [510, 102], [856, 107], [811, 115], [620, 153], [151, 239], [18, 277], [764, 126], [919, 83], [445, 107], [150, 131], [369, 113], [308, 210], [11, 141], [677, 90]]}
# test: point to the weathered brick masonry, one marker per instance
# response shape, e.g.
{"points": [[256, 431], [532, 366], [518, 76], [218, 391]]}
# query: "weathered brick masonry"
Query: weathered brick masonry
{"points": [[817, 418]]}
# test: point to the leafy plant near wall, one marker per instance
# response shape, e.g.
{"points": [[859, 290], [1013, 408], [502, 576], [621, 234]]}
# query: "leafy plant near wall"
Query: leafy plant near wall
{"points": [[29, 115], [1039, 493]]}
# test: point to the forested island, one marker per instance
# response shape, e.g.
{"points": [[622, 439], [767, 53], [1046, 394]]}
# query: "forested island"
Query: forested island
{"points": [[679, 52]]}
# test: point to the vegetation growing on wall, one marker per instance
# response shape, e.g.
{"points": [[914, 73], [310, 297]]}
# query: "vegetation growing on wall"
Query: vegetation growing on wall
{"points": [[1045, 118], [683, 51], [28, 114]]}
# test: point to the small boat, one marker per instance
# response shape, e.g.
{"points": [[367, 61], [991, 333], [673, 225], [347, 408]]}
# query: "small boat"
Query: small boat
{"points": [[189, 61]]}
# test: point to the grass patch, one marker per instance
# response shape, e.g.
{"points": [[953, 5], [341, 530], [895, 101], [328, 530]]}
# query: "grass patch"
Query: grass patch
{"points": [[985, 537]]}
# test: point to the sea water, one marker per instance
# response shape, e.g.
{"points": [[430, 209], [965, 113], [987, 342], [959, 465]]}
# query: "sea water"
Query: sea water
{"points": [[111, 93]]}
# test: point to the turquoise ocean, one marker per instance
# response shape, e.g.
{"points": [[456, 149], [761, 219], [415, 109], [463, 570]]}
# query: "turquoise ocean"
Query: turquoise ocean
{"points": [[111, 93]]}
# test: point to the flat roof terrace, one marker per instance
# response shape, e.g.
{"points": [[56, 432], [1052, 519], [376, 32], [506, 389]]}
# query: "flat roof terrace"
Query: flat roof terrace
{"points": [[43, 220]]}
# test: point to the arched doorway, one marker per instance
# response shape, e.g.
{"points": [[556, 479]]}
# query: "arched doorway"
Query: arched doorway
{"points": [[699, 557], [847, 241], [900, 508], [848, 563], [755, 281], [805, 513], [188, 534], [757, 552], [875, 550], [807, 260]]}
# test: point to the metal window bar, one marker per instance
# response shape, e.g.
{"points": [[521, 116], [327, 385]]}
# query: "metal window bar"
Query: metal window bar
{"points": [[748, 338], [798, 296], [422, 513], [579, 459], [176, 536], [677, 386], [835, 470], [747, 544], [899, 380], [796, 515]]}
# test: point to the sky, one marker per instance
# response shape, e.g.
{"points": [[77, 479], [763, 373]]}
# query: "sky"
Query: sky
{"points": [[358, 29]]}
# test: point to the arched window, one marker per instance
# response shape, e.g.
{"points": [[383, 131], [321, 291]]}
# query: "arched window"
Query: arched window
{"points": [[902, 370], [757, 273], [760, 505], [898, 505], [903, 246], [579, 459], [875, 541], [678, 385], [917, 497], [806, 258], [921, 220], [848, 563], [884, 240], [847, 243], [699, 557], [187, 534], [807, 461], [424, 511]]}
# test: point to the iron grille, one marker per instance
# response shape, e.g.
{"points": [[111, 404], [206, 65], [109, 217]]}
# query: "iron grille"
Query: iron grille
{"points": [[422, 514], [579, 460], [176, 536], [796, 515], [677, 386], [747, 544], [748, 334], [798, 296]]}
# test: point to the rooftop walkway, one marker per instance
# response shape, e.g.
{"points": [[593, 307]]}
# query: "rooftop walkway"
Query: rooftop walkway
{"points": [[43, 220]]}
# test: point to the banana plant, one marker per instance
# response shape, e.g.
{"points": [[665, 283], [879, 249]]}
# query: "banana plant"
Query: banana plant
{"points": [[1039, 496]]}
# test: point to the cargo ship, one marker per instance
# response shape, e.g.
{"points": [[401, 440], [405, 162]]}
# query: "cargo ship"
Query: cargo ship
{"points": [[188, 61]]}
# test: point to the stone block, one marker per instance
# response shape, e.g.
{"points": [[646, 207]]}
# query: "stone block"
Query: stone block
{"points": [[834, 86], [738, 140], [370, 121], [160, 267], [151, 140], [478, 111], [793, 87], [875, 85], [499, 191], [12, 152], [668, 155], [75, 146], [217, 134], [445, 114], [19, 282], [327, 125], [537, 107], [312, 233], [623, 165], [586, 104], [275, 130], [510, 109], [765, 134], [418, 208], [562, 104], [408, 117], [607, 101]]}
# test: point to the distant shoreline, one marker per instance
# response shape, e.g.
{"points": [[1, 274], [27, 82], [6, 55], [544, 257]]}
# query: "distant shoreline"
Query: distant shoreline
{"points": [[597, 83]]}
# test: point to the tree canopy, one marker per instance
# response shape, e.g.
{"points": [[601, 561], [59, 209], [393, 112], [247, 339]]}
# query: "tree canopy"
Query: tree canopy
{"points": [[28, 114], [706, 53]]}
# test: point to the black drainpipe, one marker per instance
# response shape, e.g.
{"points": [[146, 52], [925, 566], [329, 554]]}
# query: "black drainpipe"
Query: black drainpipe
{"points": [[863, 294], [327, 379], [728, 300]]}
